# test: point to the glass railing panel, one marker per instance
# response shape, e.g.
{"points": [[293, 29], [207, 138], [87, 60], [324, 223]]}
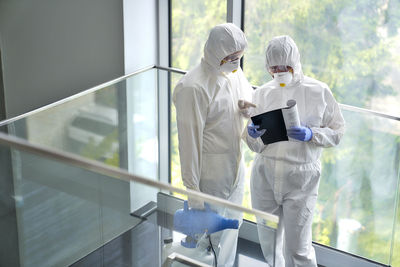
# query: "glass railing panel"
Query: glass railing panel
{"points": [[86, 125], [65, 210], [141, 124], [176, 238], [61, 212], [355, 210], [358, 187], [115, 124]]}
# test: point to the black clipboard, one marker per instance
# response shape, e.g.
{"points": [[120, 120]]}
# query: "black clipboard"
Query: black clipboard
{"points": [[274, 124]]}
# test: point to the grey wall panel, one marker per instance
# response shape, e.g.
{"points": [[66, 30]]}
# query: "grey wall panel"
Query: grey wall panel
{"points": [[55, 48], [9, 250]]}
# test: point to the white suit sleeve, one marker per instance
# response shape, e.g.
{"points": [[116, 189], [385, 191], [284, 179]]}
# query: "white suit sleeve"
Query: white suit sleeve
{"points": [[191, 112], [255, 144], [333, 124]]}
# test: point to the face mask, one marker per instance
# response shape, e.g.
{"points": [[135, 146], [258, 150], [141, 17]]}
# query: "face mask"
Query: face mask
{"points": [[230, 66], [283, 78]]}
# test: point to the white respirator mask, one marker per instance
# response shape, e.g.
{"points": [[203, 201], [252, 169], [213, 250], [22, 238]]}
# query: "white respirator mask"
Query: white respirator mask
{"points": [[230, 66], [283, 78]]}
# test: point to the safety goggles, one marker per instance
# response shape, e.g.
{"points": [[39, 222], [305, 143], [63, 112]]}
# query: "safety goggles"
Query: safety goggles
{"points": [[280, 68], [232, 57]]}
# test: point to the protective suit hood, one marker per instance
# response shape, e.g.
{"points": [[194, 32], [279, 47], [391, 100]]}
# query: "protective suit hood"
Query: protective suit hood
{"points": [[282, 50], [223, 40]]}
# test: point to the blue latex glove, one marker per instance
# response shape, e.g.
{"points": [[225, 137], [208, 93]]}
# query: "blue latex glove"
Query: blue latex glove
{"points": [[193, 222], [253, 132], [300, 133]]}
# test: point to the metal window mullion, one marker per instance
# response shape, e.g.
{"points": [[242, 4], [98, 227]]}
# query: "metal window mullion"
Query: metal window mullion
{"points": [[163, 30], [235, 15], [163, 84], [234, 12]]}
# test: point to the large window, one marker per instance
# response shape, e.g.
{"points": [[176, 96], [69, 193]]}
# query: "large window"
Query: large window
{"points": [[191, 23], [353, 47], [350, 45]]}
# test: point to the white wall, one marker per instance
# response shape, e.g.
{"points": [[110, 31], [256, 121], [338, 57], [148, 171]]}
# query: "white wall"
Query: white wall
{"points": [[52, 49], [141, 51], [140, 45]]}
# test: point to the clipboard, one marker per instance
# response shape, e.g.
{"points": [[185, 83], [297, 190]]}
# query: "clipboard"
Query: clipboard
{"points": [[274, 124]]}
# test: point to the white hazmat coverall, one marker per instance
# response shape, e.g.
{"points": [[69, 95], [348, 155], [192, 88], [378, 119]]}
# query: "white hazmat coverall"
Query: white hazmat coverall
{"points": [[285, 175], [210, 126]]}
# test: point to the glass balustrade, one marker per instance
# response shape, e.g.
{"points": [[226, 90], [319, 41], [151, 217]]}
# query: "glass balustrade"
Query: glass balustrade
{"points": [[68, 207], [358, 191], [117, 125], [81, 176]]}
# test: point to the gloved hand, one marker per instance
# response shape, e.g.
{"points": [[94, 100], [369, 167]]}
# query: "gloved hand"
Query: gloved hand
{"points": [[253, 132], [300, 133], [244, 107]]}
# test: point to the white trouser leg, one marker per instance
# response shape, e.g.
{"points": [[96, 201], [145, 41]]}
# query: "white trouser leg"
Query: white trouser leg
{"points": [[298, 208], [271, 243], [298, 239], [227, 246], [262, 197]]}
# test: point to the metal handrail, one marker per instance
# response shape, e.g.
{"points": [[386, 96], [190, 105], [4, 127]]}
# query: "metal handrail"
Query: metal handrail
{"points": [[171, 69], [369, 111]]}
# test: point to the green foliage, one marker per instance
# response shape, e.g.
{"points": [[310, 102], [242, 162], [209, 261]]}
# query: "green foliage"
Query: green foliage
{"points": [[340, 43], [191, 23], [95, 151]]}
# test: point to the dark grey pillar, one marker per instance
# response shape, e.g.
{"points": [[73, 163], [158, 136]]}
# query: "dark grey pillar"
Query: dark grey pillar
{"points": [[9, 250]]}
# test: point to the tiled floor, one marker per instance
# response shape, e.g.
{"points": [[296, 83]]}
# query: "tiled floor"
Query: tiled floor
{"points": [[249, 254]]}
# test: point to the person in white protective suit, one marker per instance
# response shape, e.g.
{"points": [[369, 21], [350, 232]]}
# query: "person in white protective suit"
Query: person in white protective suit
{"points": [[210, 124], [285, 175]]}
